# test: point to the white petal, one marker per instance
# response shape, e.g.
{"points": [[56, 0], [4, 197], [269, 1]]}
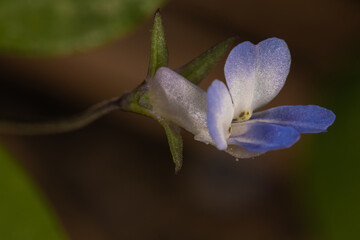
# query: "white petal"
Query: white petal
{"points": [[180, 101], [256, 73], [240, 152], [220, 113]]}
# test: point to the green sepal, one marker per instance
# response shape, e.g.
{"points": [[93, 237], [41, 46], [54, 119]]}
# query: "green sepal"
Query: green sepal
{"points": [[175, 143], [197, 69], [137, 101], [158, 50]]}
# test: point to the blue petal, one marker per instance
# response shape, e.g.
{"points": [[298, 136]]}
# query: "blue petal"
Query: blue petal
{"points": [[220, 113], [262, 137], [305, 119], [256, 73]]}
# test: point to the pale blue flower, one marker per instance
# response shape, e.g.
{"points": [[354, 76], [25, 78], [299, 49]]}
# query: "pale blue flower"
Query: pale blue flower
{"points": [[224, 116]]}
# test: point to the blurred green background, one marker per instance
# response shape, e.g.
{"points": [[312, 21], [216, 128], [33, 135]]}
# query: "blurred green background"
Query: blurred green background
{"points": [[114, 179]]}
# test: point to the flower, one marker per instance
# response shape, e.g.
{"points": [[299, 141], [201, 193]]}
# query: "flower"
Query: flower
{"points": [[224, 116]]}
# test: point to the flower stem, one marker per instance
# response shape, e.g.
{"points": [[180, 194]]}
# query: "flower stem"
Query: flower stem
{"points": [[65, 124]]}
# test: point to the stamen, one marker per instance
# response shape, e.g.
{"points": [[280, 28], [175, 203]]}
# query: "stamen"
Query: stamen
{"points": [[245, 115]]}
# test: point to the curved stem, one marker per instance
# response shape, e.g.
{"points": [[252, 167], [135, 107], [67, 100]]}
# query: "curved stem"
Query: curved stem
{"points": [[66, 124]]}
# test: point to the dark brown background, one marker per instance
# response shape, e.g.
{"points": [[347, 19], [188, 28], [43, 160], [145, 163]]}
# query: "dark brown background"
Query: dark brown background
{"points": [[115, 180]]}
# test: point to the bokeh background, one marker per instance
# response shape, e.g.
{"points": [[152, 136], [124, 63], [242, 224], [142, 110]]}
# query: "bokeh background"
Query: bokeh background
{"points": [[115, 179]]}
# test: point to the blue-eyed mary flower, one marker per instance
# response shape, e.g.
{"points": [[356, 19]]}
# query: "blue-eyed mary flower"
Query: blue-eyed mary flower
{"points": [[225, 116]]}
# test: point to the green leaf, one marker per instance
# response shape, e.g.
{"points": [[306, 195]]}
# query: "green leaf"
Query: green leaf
{"points": [[196, 70], [24, 212], [158, 51], [43, 27], [175, 143]]}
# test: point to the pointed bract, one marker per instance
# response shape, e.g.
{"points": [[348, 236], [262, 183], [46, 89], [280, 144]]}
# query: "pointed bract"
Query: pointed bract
{"points": [[196, 70], [158, 48], [175, 143]]}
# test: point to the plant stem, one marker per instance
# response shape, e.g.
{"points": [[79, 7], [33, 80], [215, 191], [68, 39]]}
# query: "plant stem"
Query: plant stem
{"points": [[65, 124]]}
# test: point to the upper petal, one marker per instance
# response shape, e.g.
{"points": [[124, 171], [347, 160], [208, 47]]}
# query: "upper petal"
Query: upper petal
{"points": [[256, 73], [220, 113], [262, 137], [180, 101], [305, 119]]}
